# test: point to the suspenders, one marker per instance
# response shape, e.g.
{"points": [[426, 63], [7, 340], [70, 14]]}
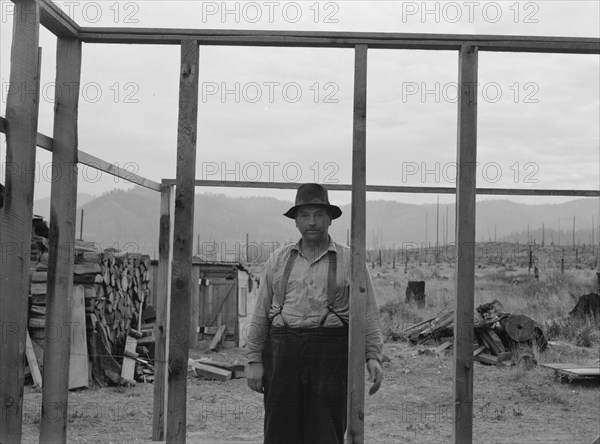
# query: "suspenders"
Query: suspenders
{"points": [[283, 285], [331, 287]]}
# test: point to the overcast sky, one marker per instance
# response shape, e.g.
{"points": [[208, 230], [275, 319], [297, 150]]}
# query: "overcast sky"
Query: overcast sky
{"points": [[285, 114]]}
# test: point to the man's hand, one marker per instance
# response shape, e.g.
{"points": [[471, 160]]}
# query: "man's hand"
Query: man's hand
{"points": [[375, 375], [255, 376]]}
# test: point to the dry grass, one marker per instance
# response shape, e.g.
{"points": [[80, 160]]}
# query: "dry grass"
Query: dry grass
{"points": [[547, 300]]}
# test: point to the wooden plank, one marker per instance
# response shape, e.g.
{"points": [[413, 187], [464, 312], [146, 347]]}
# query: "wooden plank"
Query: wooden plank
{"points": [[78, 359], [38, 288], [16, 214], [39, 276], [465, 240], [230, 311], [195, 308], [478, 350], [233, 367], [181, 282], [358, 283], [221, 281], [210, 372], [128, 368], [32, 361], [35, 322], [161, 337], [63, 217], [576, 369], [443, 347], [114, 170], [56, 21], [86, 268], [219, 337], [210, 330], [504, 356], [312, 39], [399, 189], [37, 310], [486, 358], [492, 341]]}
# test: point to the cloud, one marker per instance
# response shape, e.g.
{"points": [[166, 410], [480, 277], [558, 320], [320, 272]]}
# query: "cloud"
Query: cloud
{"points": [[547, 111]]}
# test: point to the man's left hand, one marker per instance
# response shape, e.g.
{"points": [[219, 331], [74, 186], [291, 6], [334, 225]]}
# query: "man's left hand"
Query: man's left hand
{"points": [[375, 375]]}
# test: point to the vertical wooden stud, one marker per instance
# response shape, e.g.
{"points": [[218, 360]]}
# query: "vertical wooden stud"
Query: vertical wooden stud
{"points": [[465, 241], [16, 214], [61, 248], [162, 299], [183, 242], [358, 285]]}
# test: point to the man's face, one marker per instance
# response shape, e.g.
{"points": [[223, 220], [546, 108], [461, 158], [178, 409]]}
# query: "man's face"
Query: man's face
{"points": [[313, 222]]}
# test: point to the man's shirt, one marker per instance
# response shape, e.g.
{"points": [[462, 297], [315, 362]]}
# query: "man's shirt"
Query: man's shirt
{"points": [[306, 298]]}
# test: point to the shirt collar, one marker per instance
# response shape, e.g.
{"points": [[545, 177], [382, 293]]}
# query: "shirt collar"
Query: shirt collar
{"points": [[331, 247]]}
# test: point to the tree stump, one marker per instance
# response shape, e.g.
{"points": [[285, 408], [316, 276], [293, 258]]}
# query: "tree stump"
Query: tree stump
{"points": [[415, 291], [524, 333]]}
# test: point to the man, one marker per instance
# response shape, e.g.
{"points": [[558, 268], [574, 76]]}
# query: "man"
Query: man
{"points": [[298, 338]]}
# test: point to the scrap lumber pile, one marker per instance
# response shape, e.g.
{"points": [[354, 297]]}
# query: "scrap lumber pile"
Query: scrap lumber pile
{"points": [[500, 336], [114, 291], [507, 336], [435, 328]]}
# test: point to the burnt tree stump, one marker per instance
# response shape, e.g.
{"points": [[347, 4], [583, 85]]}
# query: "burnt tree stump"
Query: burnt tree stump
{"points": [[415, 291], [587, 305]]}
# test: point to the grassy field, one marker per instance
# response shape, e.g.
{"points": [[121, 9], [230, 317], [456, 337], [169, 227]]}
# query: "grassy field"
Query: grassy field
{"points": [[415, 403], [547, 300]]}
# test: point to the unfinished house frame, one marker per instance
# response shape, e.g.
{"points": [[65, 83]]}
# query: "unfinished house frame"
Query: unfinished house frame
{"points": [[177, 206]]}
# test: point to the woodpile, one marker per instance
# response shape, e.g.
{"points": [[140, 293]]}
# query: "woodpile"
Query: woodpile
{"points": [[121, 288], [116, 289], [500, 336]]}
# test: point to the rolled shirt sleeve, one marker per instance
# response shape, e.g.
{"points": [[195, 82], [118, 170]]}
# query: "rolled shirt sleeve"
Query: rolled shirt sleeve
{"points": [[259, 325]]}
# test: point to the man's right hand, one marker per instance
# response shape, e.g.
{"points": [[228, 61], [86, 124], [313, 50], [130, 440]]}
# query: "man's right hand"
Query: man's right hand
{"points": [[254, 375]]}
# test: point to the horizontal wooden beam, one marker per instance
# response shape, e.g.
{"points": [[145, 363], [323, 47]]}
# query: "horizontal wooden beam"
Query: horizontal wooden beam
{"points": [[378, 40], [107, 167], [46, 143], [396, 189]]}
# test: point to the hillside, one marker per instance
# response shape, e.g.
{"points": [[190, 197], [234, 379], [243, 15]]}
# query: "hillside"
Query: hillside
{"points": [[129, 220]]}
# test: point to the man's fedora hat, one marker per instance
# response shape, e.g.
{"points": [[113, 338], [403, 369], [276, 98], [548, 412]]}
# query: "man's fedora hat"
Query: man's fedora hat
{"points": [[312, 194]]}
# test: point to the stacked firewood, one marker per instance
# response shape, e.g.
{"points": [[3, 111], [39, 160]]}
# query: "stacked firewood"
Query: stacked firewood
{"points": [[114, 309], [121, 292], [116, 291]]}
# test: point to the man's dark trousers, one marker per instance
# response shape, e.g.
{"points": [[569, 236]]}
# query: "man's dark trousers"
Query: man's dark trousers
{"points": [[305, 382]]}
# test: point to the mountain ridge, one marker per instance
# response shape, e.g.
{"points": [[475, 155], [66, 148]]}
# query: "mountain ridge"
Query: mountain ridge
{"points": [[130, 218]]}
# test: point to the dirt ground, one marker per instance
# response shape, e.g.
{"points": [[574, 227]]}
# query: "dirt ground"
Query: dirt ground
{"points": [[414, 405]]}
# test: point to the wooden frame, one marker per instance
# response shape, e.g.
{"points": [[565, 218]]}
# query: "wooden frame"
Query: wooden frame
{"points": [[61, 249], [177, 210], [15, 218], [465, 241], [183, 243], [358, 283]]}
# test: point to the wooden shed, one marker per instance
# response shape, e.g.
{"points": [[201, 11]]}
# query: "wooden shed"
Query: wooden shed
{"points": [[223, 293]]}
